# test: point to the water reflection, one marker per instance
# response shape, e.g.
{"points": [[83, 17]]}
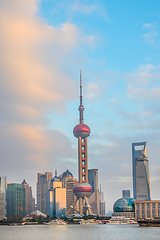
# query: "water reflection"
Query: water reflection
{"points": [[79, 232]]}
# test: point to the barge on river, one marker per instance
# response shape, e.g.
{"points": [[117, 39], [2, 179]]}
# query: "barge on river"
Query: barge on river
{"points": [[149, 222]]}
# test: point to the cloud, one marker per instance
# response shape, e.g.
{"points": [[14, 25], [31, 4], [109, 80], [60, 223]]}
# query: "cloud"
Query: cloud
{"points": [[144, 83], [149, 37], [83, 8], [34, 83], [79, 6], [147, 25], [93, 90]]}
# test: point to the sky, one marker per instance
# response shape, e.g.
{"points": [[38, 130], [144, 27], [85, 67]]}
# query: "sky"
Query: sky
{"points": [[43, 46]]}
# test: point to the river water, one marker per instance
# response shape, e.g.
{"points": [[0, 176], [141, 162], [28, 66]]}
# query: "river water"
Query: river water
{"points": [[79, 232]]}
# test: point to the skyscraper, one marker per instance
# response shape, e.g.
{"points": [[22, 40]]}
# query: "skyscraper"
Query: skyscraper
{"points": [[68, 182], [15, 200], [140, 164], [56, 199], [94, 198], [93, 179], [2, 197], [43, 185], [28, 197], [102, 204]]}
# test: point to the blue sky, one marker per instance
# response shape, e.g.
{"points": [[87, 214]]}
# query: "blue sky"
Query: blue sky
{"points": [[44, 44]]}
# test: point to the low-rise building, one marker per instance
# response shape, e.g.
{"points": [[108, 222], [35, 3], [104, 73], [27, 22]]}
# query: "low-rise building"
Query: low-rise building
{"points": [[124, 207], [149, 209]]}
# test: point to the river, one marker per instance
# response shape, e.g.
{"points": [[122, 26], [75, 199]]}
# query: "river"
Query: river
{"points": [[79, 232]]}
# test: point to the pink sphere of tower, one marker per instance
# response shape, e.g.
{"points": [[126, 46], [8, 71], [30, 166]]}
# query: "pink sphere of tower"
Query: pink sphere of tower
{"points": [[82, 190], [81, 130]]}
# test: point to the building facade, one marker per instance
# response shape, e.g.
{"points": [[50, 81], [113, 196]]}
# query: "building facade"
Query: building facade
{"points": [[2, 197], [102, 207], [94, 198], [147, 209], [125, 193], [140, 164], [93, 179], [56, 200], [60, 202], [15, 200], [68, 182], [28, 197], [43, 185], [124, 207], [33, 204]]}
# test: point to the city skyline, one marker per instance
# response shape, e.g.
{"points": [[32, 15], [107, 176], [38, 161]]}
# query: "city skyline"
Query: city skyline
{"points": [[44, 44]]}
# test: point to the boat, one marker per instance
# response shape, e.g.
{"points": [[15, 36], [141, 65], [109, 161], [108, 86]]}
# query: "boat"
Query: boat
{"points": [[12, 224], [149, 222], [120, 220], [57, 221]]}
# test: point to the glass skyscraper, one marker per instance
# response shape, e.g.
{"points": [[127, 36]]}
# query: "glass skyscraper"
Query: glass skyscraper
{"points": [[2, 197], [43, 185], [140, 164], [15, 199]]}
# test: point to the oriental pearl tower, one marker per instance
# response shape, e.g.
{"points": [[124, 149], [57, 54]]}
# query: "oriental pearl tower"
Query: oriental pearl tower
{"points": [[83, 189]]}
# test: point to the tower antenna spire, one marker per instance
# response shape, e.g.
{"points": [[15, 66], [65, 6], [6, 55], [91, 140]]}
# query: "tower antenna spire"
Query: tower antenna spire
{"points": [[81, 108], [80, 89]]}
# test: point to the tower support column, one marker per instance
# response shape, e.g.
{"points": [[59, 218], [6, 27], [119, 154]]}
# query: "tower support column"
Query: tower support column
{"points": [[86, 160], [81, 205], [80, 158]]}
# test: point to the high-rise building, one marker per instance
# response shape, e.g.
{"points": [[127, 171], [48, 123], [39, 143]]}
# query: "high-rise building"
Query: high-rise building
{"points": [[93, 179], [28, 197], [68, 182], [43, 185], [15, 200], [83, 189], [2, 197], [125, 193], [56, 199], [102, 207], [94, 198], [33, 204], [140, 164]]}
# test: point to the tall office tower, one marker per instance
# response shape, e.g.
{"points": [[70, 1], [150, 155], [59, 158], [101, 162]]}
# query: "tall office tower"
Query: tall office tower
{"points": [[28, 197], [141, 179], [33, 204], [43, 185], [93, 179], [102, 209], [56, 199], [68, 182], [15, 200], [2, 197], [94, 198], [83, 189], [125, 193]]}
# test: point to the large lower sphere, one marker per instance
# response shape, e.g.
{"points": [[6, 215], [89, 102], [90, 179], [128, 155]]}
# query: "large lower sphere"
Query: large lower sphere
{"points": [[82, 190], [81, 130]]}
